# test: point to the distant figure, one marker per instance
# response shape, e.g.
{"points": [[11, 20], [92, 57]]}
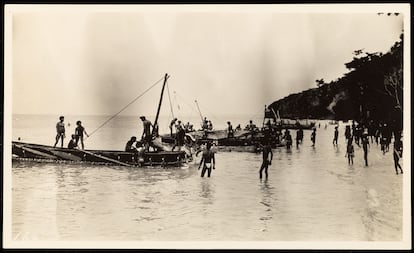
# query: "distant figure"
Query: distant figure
{"points": [[251, 126], [336, 134], [72, 143], [238, 128], [319, 125], [326, 126], [377, 135], [79, 130], [365, 146], [313, 137], [267, 159], [348, 134], [129, 147], [288, 139], [205, 124], [172, 123], [230, 132], [209, 125], [397, 155], [208, 160], [60, 131], [299, 136], [146, 134], [350, 152]]}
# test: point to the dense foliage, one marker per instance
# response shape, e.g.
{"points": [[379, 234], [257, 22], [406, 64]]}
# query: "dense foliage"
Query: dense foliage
{"points": [[372, 90]]}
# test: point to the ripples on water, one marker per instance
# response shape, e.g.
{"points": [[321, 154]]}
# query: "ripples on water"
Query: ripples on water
{"points": [[311, 194]]}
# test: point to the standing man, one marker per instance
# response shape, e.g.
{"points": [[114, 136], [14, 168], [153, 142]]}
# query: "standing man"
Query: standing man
{"points": [[146, 134], [313, 137], [230, 132], [208, 160], [267, 158], [60, 130], [79, 130], [336, 134], [365, 145], [172, 123]]}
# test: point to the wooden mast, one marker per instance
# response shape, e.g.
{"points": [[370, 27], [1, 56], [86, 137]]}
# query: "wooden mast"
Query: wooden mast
{"points": [[159, 105]]}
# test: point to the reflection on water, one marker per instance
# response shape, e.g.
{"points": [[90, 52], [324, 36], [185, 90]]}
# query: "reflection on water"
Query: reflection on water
{"points": [[311, 194]]}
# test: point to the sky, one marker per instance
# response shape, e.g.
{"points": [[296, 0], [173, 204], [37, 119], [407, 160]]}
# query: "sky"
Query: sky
{"points": [[231, 62]]}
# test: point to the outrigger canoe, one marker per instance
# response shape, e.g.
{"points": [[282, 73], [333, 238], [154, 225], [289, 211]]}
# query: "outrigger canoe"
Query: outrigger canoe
{"points": [[43, 153]]}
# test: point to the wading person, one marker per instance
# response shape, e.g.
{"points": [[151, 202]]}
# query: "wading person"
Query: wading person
{"points": [[208, 161], [313, 137], [397, 155], [60, 131], [79, 131], [267, 158], [335, 139], [365, 146], [350, 152], [348, 134], [72, 143], [146, 134], [288, 139], [299, 136]]}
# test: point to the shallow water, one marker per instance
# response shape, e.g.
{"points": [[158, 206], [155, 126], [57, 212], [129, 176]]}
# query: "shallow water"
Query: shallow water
{"points": [[311, 194]]}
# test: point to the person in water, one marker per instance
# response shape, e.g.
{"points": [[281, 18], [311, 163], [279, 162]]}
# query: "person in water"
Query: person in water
{"points": [[72, 143], [146, 134], [313, 137], [288, 139], [348, 134], [172, 123], [267, 159], [397, 155], [336, 134], [365, 146], [350, 152], [207, 160], [60, 131], [79, 131], [230, 131], [299, 136]]}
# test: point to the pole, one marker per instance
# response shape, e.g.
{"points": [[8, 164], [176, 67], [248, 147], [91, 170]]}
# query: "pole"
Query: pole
{"points": [[159, 104], [201, 115]]}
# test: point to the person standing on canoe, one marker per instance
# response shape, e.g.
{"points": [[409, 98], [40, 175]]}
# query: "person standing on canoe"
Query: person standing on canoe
{"points": [[179, 136], [172, 123], [208, 160], [267, 158], [146, 135], [230, 131], [60, 129], [79, 130]]}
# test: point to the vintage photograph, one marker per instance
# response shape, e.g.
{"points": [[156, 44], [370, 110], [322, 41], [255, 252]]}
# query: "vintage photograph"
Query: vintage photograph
{"points": [[207, 126]]}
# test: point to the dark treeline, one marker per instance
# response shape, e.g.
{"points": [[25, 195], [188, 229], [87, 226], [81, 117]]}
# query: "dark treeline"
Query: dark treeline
{"points": [[372, 91]]}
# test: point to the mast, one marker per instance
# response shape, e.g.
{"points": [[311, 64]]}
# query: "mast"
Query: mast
{"points": [[159, 104], [201, 115]]}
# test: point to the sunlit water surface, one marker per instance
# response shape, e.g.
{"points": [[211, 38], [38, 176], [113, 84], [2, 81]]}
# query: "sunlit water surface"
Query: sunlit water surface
{"points": [[311, 194]]}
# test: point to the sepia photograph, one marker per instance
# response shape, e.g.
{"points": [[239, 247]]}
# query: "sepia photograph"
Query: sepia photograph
{"points": [[233, 126]]}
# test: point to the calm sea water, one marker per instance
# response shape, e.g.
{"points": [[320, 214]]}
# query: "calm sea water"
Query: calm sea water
{"points": [[311, 193]]}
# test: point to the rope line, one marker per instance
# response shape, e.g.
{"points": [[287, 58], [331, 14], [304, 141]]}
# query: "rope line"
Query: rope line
{"points": [[169, 98], [135, 99]]}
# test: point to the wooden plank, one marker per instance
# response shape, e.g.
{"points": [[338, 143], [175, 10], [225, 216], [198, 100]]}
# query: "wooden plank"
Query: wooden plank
{"points": [[66, 156], [36, 152], [105, 158]]}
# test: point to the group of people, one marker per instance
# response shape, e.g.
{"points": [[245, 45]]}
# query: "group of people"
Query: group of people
{"points": [[362, 134], [76, 137], [207, 125]]}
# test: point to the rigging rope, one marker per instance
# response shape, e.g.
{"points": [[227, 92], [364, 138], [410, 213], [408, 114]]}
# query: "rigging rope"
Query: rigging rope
{"points": [[135, 99], [169, 98]]}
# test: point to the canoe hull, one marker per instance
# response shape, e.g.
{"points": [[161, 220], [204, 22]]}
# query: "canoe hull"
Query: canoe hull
{"points": [[27, 151]]}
